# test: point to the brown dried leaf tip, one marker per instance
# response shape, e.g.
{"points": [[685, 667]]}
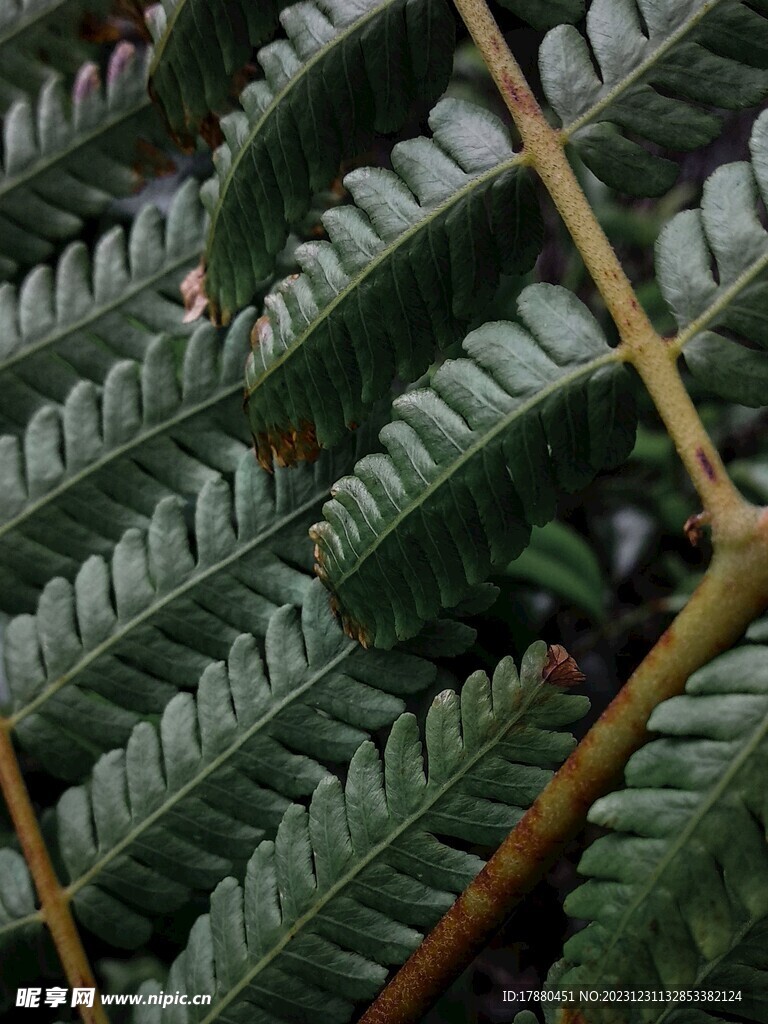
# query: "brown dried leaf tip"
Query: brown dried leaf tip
{"points": [[287, 448], [193, 292], [351, 628], [560, 669]]}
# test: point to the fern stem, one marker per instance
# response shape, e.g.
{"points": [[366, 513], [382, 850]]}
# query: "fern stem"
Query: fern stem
{"points": [[653, 359], [53, 900], [733, 593]]}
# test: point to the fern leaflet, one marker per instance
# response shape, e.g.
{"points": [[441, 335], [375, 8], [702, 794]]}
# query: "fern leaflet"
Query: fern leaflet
{"points": [[661, 64], [199, 47], [472, 462], [77, 320], [62, 166], [348, 886], [116, 645], [345, 68], [17, 898], [182, 806], [678, 892], [83, 473], [29, 28], [728, 231], [406, 267]]}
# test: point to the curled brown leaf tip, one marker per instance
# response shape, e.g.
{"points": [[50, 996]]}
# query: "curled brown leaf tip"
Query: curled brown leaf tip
{"points": [[260, 331], [288, 447], [694, 527], [353, 629], [560, 669], [210, 130], [193, 292]]}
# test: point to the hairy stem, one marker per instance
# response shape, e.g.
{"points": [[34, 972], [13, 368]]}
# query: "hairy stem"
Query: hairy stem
{"points": [[731, 595], [653, 359], [53, 900]]}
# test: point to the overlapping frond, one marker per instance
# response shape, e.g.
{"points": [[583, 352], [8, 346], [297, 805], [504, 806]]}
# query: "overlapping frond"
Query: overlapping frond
{"points": [[74, 321], [657, 70], [183, 805], [64, 159], [404, 270], [85, 472], [345, 68], [678, 891], [116, 645], [36, 37], [200, 45], [472, 463], [712, 266], [347, 888]]}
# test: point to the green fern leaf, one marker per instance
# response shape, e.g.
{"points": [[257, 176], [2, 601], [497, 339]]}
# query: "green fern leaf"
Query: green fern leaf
{"points": [[405, 268], [116, 645], [182, 806], [543, 14], [678, 892], [726, 231], [61, 165], [346, 67], [30, 28], [472, 462], [348, 887], [85, 472], [661, 64], [76, 320], [18, 913], [199, 46]]}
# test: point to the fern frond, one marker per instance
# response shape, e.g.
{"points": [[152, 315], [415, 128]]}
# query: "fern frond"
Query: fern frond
{"points": [[660, 64], [726, 232], [405, 268], [346, 67], [76, 320], [199, 46], [472, 463], [85, 472], [30, 29], [65, 161], [678, 892], [116, 645], [182, 806], [348, 887]]}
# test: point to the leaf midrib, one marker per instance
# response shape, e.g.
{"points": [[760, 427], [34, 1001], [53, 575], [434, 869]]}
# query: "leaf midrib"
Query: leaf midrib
{"points": [[583, 370], [637, 73], [343, 35], [391, 250], [381, 847]]}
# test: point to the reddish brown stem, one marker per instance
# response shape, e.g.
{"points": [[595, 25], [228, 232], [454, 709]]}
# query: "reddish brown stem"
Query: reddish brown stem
{"points": [[734, 592], [53, 901]]}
